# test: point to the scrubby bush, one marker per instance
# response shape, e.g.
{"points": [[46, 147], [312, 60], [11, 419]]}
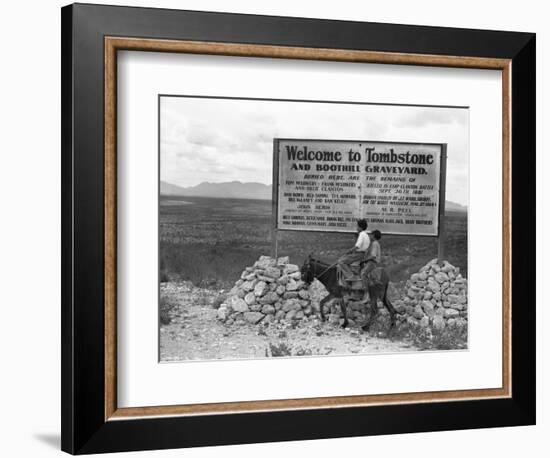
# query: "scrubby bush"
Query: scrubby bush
{"points": [[449, 338], [164, 312], [279, 349]]}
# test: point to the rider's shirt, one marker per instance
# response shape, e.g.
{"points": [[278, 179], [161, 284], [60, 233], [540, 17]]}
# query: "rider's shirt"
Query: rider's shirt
{"points": [[363, 241], [375, 252]]}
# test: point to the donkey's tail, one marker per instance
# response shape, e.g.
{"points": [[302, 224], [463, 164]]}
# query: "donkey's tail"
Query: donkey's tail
{"points": [[387, 301]]}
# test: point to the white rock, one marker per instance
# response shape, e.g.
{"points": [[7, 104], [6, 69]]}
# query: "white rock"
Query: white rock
{"points": [[461, 322], [428, 308], [438, 323], [237, 304], [260, 289], [292, 285], [418, 312], [264, 262], [283, 280], [269, 298], [268, 309], [424, 322], [272, 272], [292, 304], [290, 268], [290, 315], [451, 313], [222, 313], [250, 298], [247, 286], [253, 317], [283, 260], [433, 285]]}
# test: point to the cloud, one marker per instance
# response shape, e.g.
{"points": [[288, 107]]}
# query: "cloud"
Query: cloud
{"points": [[206, 139]]}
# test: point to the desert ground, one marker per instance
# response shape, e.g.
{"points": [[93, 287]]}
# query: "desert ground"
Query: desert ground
{"points": [[205, 244]]}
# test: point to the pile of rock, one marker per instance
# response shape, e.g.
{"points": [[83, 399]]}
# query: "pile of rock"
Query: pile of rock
{"points": [[436, 296], [270, 290]]}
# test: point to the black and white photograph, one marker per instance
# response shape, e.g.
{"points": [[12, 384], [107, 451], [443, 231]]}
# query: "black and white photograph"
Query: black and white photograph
{"points": [[311, 228]]}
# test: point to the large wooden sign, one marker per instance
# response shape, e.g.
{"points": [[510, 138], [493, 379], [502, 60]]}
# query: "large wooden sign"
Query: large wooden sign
{"points": [[326, 185]]}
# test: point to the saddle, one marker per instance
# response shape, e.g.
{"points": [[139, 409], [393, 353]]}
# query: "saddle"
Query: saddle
{"points": [[354, 280]]}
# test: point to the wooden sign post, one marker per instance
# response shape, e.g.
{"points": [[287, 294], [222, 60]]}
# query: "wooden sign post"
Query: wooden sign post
{"points": [[275, 200], [441, 225]]}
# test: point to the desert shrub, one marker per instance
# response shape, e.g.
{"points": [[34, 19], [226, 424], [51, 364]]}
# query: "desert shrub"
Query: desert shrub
{"points": [[164, 312], [303, 352], [449, 338], [279, 349], [164, 276]]}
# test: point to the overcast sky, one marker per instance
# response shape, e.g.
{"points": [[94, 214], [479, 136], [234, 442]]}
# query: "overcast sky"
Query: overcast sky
{"points": [[221, 140]]}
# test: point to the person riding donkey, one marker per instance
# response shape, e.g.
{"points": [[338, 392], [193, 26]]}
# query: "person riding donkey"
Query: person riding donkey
{"points": [[373, 255], [357, 253], [372, 258]]}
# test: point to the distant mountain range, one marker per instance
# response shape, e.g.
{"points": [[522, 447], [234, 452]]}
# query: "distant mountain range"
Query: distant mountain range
{"points": [[228, 190], [454, 207], [239, 190]]}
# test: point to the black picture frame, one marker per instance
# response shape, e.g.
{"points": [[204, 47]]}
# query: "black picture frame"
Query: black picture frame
{"points": [[84, 428]]}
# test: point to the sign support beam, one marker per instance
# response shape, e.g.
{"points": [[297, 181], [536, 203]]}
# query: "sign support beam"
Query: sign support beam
{"points": [[441, 224], [275, 199]]}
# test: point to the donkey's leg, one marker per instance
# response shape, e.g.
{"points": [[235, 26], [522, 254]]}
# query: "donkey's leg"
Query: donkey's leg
{"points": [[373, 310], [322, 303], [344, 307], [389, 306]]}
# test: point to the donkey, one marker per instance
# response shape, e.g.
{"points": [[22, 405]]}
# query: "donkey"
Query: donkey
{"points": [[327, 275]]}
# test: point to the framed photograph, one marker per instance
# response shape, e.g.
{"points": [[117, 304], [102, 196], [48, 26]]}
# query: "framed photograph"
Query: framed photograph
{"points": [[282, 228]]}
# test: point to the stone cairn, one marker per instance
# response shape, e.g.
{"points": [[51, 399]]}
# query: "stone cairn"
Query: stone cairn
{"points": [[270, 290], [436, 297]]}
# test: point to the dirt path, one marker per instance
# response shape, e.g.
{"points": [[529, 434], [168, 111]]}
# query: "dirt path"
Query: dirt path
{"points": [[194, 333]]}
